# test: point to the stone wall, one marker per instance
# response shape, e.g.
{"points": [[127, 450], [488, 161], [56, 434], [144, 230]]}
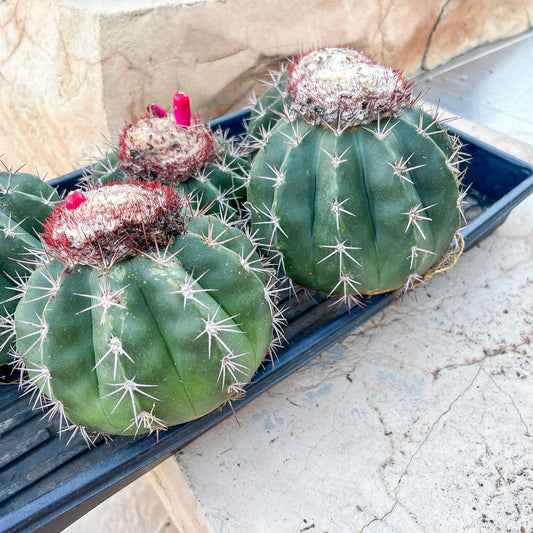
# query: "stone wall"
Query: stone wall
{"points": [[72, 76]]}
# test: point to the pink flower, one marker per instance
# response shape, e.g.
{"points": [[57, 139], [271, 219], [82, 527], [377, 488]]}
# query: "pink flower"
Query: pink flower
{"points": [[182, 109]]}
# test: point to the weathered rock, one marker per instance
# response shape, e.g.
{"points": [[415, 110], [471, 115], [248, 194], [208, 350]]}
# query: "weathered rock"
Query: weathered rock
{"points": [[51, 85], [465, 24], [73, 73]]}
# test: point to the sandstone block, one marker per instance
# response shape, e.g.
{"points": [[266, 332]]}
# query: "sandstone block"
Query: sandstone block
{"points": [[74, 72]]}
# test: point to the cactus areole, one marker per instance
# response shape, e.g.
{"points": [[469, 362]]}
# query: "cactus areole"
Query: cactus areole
{"points": [[142, 319], [354, 188]]}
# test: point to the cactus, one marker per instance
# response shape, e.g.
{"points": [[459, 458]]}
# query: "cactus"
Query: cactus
{"points": [[355, 189], [181, 151], [25, 201], [266, 109], [141, 317]]}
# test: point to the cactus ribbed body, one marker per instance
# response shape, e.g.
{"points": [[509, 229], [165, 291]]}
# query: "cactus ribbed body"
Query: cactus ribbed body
{"points": [[25, 201], [151, 341], [356, 207]]}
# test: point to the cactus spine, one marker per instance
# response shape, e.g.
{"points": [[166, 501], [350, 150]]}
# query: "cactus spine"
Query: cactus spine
{"points": [[141, 318], [355, 189], [266, 110]]}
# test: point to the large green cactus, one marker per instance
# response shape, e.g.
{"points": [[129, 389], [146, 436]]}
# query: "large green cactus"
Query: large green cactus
{"points": [[202, 164], [354, 189], [143, 320], [25, 201]]}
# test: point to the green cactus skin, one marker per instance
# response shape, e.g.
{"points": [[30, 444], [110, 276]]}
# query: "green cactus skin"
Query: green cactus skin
{"points": [[25, 201], [106, 170], [370, 210], [220, 188], [155, 340]]}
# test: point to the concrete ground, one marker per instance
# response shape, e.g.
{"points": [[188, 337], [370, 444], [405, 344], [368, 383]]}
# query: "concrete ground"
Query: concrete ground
{"points": [[419, 421]]}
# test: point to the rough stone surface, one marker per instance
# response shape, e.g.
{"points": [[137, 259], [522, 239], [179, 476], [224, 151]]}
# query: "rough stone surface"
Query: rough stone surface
{"points": [[74, 72], [465, 24], [135, 508], [51, 86]]}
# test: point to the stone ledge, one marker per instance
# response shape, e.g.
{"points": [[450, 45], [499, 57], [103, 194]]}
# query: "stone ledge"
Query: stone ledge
{"points": [[72, 76]]}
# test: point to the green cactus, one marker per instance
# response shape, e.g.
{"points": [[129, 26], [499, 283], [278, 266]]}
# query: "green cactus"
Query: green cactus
{"points": [[355, 190], [25, 201], [204, 165], [105, 170], [144, 318], [266, 109]]}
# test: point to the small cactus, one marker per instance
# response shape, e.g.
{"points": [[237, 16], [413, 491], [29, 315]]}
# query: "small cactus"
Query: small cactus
{"points": [[354, 188], [140, 317], [181, 151], [25, 201]]}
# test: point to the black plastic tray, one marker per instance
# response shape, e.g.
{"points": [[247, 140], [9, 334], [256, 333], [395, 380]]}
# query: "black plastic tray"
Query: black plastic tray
{"points": [[46, 485]]}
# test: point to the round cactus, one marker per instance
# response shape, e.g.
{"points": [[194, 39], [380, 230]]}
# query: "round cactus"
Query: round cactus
{"points": [[144, 318], [356, 190], [178, 151], [25, 201]]}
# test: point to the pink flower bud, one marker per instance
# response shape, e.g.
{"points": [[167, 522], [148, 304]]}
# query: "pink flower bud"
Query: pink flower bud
{"points": [[157, 111], [182, 109], [74, 200]]}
